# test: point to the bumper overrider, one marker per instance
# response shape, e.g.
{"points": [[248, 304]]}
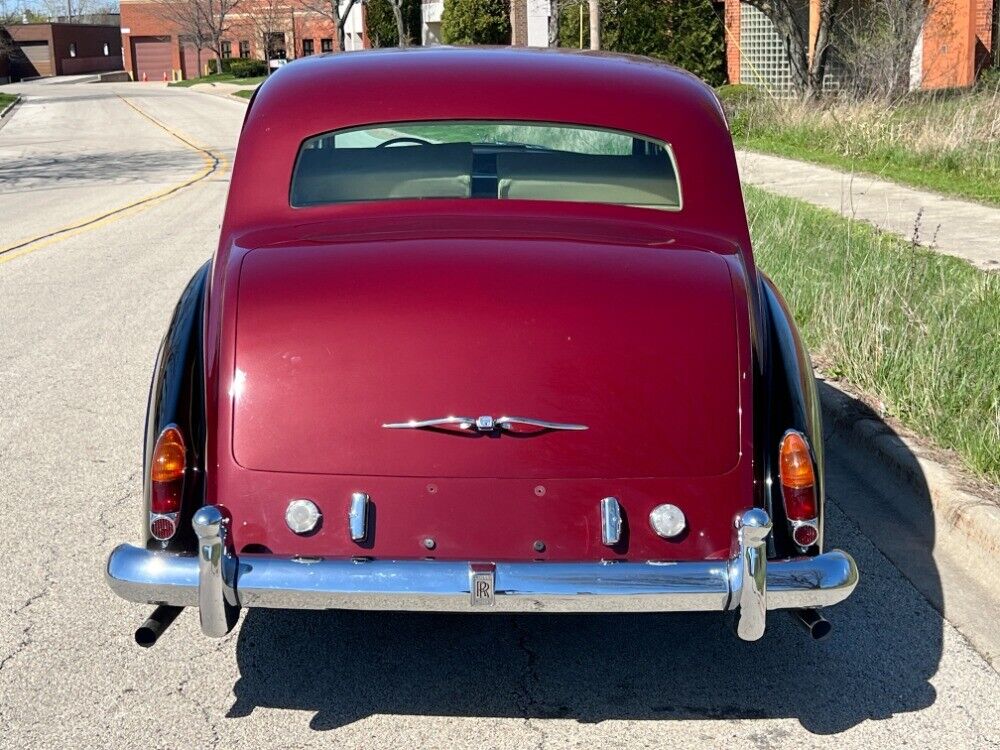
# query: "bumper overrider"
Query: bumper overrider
{"points": [[219, 583]]}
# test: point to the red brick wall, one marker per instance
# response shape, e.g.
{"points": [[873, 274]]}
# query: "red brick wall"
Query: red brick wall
{"points": [[519, 23], [984, 33], [733, 40], [949, 44], [142, 18], [89, 41], [145, 19]]}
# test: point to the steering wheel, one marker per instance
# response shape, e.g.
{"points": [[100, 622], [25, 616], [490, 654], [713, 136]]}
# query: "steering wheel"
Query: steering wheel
{"points": [[404, 139]]}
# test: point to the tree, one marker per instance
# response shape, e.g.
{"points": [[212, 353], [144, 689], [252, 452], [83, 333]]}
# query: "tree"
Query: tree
{"points": [[686, 33], [206, 20], [807, 70], [338, 11], [875, 43], [266, 18], [392, 23], [476, 22]]}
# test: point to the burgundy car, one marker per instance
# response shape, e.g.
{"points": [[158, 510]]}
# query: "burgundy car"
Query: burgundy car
{"points": [[483, 333]]}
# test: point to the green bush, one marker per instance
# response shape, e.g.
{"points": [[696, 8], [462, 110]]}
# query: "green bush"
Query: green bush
{"points": [[247, 67], [741, 102], [213, 65], [476, 22], [685, 33]]}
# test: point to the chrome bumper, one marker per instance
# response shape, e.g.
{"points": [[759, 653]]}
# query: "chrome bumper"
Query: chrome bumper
{"points": [[219, 583]]}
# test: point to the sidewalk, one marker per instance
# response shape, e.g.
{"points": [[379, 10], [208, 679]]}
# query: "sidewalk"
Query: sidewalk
{"points": [[953, 227]]}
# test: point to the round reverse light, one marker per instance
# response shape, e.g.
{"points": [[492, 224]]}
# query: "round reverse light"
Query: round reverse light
{"points": [[302, 516], [805, 535], [667, 520], [162, 527]]}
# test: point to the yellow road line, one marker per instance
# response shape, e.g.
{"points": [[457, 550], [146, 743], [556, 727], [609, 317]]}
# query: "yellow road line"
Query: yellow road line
{"points": [[213, 162]]}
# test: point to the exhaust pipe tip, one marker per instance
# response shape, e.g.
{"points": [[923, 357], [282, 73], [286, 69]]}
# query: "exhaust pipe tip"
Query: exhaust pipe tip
{"points": [[147, 634], [818, 627]]}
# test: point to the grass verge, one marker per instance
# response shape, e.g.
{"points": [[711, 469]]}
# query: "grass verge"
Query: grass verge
{"points": [[220, 78], [917, 330], [948, 142], [6, 100], [244, 93]]}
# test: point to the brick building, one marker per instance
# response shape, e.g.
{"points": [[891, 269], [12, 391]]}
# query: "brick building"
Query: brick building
{"points": [[958, 40], [55, 49], [154, 47]]}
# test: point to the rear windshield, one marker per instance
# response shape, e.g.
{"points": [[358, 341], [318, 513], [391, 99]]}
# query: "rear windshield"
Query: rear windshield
{"points": [[490, 160]]}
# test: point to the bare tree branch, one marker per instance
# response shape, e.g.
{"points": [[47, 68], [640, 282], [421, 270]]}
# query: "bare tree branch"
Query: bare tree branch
{"points": [[806, 73], [338, 12], [202, 22]]}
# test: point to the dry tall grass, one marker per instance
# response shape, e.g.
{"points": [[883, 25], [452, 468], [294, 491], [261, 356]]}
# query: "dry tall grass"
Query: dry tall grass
{"points": [[948, 141]]}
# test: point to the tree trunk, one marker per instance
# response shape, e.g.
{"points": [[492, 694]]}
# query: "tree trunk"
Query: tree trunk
{"points": [[817, 66], [553, 23], [397, 15], [595, 24]]}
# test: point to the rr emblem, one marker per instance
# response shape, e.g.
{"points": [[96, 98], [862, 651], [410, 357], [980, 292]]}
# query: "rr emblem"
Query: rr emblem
{"points": [[482, 578]]}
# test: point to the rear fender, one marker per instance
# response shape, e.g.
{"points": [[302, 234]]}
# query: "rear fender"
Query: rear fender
{"points": [[177, 396], [791, 403]]}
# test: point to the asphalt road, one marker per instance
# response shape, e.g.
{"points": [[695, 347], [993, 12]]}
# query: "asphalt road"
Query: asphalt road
{"points": [[81, 315]]}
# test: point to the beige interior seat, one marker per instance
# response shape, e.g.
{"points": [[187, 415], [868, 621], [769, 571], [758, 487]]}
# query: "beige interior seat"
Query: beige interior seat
{"points": [[561, 176], [337, 175]]}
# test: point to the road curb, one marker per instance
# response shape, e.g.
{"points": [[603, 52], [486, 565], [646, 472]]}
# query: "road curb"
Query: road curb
{"points": [[975, 516], [10, 106]]}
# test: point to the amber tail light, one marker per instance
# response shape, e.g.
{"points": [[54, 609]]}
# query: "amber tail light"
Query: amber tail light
{"points": [[166, 472], [798, 488]]}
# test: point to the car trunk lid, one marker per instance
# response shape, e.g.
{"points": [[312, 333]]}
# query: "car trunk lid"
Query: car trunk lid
{"points": [[639, 344]]}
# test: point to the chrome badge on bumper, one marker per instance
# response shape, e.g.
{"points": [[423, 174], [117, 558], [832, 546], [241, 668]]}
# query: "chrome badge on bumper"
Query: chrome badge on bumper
{"points": [[482, 584]]}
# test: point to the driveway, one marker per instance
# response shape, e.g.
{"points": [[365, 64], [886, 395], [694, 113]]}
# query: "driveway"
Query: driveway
{"points": [[81, 316]]}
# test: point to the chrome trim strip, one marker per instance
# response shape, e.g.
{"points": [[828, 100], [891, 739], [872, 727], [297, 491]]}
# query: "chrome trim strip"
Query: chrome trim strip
{"points": [[746, 583], [508, 423], [463, 423], [483, 424], [357, 516], [611, 521]]}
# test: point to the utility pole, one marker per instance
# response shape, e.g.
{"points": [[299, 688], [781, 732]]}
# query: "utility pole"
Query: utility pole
{"points": [[69, 11], [595, 24]]}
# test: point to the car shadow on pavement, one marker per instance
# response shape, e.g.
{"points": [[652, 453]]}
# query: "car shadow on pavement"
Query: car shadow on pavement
{"points": [[886, 645]]}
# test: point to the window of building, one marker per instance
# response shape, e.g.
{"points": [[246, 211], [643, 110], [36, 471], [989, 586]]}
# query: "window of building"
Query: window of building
{"points": [[227, 50], [276, 46], [72, 49], [307, 47], [107, 50], [244, 48], [326, 45]]}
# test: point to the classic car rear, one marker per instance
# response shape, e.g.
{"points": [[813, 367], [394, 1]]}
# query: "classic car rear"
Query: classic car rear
{"points": [[498, 352]]}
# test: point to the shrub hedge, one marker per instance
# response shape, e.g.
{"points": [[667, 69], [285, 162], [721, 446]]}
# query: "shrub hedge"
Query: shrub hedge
{"points": [[247, 67], [476, 22], [685, 33]]}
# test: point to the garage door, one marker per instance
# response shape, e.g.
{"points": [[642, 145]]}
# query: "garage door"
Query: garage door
{"points": [[191, 67], [152, 57], [31, 59]]}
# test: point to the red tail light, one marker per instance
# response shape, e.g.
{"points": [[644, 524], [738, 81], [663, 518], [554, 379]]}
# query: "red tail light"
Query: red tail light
{"points": [[798, 488], [166, 472]]}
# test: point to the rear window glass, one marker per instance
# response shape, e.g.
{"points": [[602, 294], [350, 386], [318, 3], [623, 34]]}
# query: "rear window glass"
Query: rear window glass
{"points": [[488, 160]]}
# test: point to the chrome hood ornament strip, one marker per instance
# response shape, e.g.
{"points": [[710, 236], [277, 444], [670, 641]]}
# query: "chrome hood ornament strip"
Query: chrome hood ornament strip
{"points": [[484, 424]]}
